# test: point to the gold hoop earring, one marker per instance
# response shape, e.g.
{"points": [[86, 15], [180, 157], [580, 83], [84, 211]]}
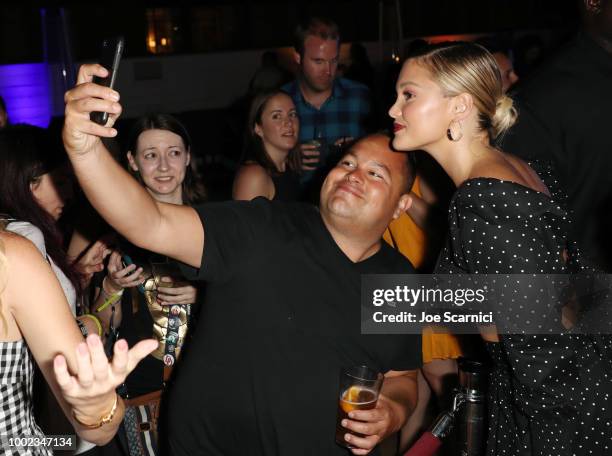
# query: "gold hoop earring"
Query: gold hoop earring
{"points": [[449, 132]]}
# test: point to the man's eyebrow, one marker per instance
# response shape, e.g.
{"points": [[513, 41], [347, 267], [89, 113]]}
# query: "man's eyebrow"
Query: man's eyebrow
{"points": [[381, 165]]}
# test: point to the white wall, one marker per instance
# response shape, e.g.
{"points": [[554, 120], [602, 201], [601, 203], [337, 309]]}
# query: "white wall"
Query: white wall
{"points": [[199, 81], [184, 82]]}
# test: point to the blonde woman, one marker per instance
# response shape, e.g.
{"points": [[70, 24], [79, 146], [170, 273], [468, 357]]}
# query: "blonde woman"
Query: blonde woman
{"points": [[504, 219]]}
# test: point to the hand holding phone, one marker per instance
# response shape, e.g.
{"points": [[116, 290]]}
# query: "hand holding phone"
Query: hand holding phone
{"points": [[112, 50], [127, 260]]}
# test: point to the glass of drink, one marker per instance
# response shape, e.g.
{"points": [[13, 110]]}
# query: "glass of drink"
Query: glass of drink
{"points": [[317, 144], [314, 153], [359, 389]]}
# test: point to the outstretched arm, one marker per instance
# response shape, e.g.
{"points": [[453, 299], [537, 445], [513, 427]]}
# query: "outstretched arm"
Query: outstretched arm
{"points": [[78, 373], [168, 229]]}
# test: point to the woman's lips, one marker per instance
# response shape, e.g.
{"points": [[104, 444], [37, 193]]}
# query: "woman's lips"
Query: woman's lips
{"points": [[397, 127]]}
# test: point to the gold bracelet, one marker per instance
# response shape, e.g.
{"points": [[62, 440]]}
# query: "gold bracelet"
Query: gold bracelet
{"points": [[105, 419]]}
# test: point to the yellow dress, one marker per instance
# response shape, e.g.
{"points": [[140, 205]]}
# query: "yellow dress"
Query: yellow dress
{"points": [[404, 235]]}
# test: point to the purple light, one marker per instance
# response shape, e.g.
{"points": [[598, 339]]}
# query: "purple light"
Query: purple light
{"points": [[25, 89]]}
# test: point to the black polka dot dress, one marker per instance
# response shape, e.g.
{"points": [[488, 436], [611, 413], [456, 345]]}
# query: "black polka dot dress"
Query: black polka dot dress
{"points": [[548, 394]]}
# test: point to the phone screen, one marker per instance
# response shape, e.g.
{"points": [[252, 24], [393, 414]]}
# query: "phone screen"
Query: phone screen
{"points": [[127, 260]]}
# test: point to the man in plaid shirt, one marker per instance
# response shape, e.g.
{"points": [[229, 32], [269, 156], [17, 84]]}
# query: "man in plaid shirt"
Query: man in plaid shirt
{"points": [[331, 110]]}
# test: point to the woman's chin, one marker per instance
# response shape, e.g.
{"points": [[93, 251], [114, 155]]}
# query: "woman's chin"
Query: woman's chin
{"points": [[289, 145], [397, 143], [404, 144], [162, 190]]}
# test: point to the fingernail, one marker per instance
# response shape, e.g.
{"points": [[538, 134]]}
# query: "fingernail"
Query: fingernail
{"points": [[93, 341], [82, 348], [351, 415], [344, 423], [347, 437], [59, 361], [114, 96], [113, 132]]}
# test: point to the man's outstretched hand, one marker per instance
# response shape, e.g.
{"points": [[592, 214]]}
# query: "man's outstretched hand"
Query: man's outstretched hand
{"points": [[80, 134]]}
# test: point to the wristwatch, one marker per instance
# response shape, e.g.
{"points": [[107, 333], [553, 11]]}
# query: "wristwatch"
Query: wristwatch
{"points": [[82, 327]]}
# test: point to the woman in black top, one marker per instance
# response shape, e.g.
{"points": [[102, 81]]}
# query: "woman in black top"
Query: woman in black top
{"points": [[546, 393], [143, 294], [271, 161]]}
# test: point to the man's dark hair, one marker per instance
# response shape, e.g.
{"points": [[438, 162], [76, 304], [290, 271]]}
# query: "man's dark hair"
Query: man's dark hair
{"points": [[410, 156], [322, 27], [411, 160]]}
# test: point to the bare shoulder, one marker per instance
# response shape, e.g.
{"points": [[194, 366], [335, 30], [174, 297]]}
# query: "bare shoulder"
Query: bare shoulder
{"points": [[15, 245], [252, 171], [508, 167], [499, 171], [527, 174], [21, 267], [252, 180], [21, 257]]}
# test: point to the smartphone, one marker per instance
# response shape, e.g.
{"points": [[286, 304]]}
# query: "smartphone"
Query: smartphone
{"points": [[127, 260], [112, 50]]}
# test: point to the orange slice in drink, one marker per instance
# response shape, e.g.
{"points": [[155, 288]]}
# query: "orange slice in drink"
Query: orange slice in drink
{"points": [[350, 398]]}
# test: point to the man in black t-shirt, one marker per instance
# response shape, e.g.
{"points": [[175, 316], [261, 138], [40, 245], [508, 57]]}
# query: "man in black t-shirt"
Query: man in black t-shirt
{"points": [[282, 312], [564, 118]]}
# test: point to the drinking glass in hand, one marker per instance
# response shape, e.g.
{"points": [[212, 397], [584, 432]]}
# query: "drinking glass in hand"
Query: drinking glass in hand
{"points": [[311, 155], [359, 389]]}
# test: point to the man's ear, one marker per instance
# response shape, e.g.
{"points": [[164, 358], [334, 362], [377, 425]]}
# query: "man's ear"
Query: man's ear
{"points": [[297, 58], [131, 161], [461, 106], [403, 205]]}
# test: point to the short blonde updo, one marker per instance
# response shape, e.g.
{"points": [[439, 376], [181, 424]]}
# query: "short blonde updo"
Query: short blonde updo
{"points": [[462, 67]]}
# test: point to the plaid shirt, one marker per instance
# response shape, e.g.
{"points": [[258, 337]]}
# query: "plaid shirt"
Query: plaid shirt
{"points": [[343, 114], [16, 400]]}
